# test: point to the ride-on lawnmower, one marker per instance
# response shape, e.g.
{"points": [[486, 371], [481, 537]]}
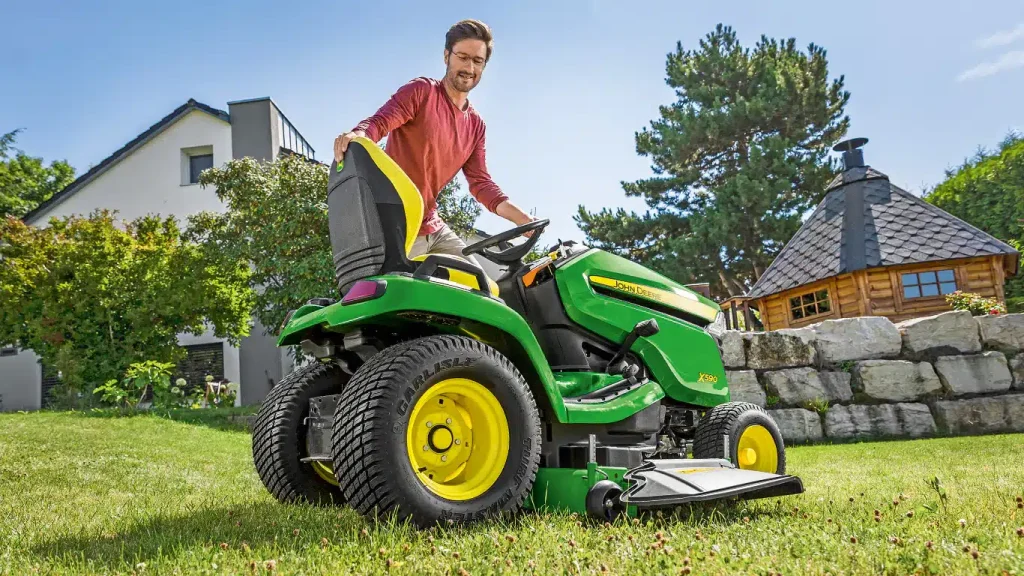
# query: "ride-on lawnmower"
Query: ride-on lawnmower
{"points": [[581, 381]]}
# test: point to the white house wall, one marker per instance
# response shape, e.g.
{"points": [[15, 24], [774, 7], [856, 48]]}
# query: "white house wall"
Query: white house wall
{"points": [[149, 180]]}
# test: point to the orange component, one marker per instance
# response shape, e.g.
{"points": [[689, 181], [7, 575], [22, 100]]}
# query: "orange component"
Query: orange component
{"points": [[530, 276]]}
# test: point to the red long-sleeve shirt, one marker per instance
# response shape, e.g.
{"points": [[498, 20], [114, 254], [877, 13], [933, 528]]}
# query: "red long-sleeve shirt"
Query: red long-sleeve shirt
{"points": [[431, 139]]}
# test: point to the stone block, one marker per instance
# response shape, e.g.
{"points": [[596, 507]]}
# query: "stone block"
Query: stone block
{"points": [[774, 350], [954, 332], [1017, 370], [895, 380], [794, 386], [865, 338], [744, 387], [733, 355], [1004, 332], [991, 415], [975, 374], [879, 421], [797, 425], [837, 385]]}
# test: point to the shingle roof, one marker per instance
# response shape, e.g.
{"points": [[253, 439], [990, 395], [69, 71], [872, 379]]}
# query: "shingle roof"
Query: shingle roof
{"points": [[891, 227], [123, 151]]}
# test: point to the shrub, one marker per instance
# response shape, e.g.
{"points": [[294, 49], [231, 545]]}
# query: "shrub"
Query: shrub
{"points": [[93, 294], [975, 303]]}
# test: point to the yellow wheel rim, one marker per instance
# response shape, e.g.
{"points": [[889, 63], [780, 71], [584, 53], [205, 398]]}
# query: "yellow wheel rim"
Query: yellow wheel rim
{"points": [[325, 471], [457, 439], [757, 450]]}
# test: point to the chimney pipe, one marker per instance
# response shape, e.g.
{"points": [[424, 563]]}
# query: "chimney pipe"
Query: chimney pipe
{"points": [[853, 156]]}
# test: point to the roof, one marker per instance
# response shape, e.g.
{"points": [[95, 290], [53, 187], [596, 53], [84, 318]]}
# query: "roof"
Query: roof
{"points": [[865, 221], [125, 150]]}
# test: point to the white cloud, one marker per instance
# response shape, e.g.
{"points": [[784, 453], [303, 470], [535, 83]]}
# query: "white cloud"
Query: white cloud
{"points": [[1008, 61], [1002, 38]]}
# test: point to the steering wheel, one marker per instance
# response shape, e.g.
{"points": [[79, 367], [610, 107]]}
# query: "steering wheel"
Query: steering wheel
{"points": [[509, 255]]}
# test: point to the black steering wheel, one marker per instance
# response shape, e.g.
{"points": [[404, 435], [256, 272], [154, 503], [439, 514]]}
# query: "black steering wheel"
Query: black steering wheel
{"points": [[514, 253]]}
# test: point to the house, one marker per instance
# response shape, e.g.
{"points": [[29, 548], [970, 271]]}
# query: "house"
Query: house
{"points": [[871, 248], [157, 173]]}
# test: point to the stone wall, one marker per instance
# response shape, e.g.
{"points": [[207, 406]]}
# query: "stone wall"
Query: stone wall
{"points": [[852, 378]]}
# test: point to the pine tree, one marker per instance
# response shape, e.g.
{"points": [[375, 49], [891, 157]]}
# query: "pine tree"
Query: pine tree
{"points": [[738, 159]]}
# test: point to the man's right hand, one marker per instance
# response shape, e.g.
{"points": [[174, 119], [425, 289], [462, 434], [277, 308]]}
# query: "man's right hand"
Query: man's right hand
{"points": [[341, 143]]}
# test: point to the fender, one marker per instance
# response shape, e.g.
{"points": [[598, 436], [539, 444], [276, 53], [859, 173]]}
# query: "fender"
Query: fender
{"points": [[457, 309]]}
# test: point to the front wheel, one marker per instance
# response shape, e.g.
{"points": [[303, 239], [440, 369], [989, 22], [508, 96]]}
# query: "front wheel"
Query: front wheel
{"points": [[438, 428], [744, 434]]}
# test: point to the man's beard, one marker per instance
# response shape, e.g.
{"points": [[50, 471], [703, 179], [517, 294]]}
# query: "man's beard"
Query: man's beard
{"points": [[462, 82]]}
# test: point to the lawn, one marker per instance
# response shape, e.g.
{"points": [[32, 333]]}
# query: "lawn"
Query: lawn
{"points": [[144, 494]]}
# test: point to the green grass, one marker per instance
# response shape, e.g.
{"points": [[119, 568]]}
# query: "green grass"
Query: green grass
{"points": [[154, 495]]}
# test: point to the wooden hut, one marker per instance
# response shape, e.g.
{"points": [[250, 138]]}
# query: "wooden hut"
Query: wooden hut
{"points": [[873, 249]]}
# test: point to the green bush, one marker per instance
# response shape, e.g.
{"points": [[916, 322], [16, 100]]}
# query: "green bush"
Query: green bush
{"points": [[92, 295], [974, 303], [147, 378]]}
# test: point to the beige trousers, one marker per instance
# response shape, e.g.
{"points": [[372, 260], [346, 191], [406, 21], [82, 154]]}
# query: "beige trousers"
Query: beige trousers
{"points": [[444, 241]]}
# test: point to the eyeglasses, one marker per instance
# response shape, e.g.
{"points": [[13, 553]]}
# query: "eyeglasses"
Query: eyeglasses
{"points": [[466, 58]]}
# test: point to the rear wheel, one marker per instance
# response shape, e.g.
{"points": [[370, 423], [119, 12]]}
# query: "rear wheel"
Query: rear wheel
{"points": [[744, 434], [439, 428], [279, 437]]}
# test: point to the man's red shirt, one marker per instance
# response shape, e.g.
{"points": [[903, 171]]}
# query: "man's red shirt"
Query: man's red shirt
{"points": [[431, 139]]}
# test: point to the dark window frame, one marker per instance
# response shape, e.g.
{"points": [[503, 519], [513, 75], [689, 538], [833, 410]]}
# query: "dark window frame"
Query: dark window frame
{"points": [[193, 174]]}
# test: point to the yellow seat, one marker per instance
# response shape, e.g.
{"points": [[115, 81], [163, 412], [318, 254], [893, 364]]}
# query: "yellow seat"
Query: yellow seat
{"points": [[411, 206]]}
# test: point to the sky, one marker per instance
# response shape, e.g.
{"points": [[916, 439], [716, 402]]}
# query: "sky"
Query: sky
{"points": [[569, 85]]}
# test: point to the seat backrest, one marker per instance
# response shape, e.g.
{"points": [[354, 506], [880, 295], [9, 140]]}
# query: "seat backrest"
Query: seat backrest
{"points": [[374, 214]]}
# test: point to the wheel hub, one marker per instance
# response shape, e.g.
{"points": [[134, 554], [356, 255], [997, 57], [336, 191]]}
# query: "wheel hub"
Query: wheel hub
{"points": [[445, 427], [440, 438], [757, 450]]}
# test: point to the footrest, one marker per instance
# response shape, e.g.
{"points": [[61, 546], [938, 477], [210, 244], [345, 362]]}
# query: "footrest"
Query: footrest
{"points": [[607, 393], [670, 482]]}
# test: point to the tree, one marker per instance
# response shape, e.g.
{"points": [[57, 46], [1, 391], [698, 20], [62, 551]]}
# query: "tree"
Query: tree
{"points": [[276, 220], [987, 191], [738, 159], [25, 182], [92, 295], [458, 209]]}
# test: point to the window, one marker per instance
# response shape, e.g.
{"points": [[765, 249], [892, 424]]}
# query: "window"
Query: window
{"points": [[196, 164], [194, 160], [810, 304], [9, 351], [928, 284]]}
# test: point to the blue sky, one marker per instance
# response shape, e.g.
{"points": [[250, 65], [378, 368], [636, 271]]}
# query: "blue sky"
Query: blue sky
{"points": [[569, 85]]}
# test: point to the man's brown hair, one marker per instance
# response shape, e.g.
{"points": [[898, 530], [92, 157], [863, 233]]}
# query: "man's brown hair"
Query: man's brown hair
{"points": [[469, 30]]}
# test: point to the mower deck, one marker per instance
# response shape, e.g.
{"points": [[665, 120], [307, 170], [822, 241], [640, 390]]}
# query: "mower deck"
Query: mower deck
{"points": [[665, 483]]}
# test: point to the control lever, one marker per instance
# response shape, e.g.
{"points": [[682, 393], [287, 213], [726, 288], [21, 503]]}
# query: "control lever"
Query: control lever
{"points": [[646, 328]]}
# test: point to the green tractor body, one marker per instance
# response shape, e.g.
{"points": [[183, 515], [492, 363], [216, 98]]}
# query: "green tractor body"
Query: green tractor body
{"points": [[624, 403]]}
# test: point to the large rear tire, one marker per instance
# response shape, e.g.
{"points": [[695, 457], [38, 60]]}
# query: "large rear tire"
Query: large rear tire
{"points": [[743, 433], [436, 429], [279, 437]]}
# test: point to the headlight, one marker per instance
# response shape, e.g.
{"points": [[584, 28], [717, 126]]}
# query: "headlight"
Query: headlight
{"points": [[717, 328]]}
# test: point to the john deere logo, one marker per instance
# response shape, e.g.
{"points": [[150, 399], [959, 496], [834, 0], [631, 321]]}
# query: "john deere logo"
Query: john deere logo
{"points": [[707, 378], [680, 299], [638, 290]]}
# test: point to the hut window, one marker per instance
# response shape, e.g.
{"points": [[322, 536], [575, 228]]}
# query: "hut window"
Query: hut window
{"points": [[810, 304], [928, 284]]}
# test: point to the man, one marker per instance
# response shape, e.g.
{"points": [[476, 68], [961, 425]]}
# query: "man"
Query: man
{"points": [[433, 132]]}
